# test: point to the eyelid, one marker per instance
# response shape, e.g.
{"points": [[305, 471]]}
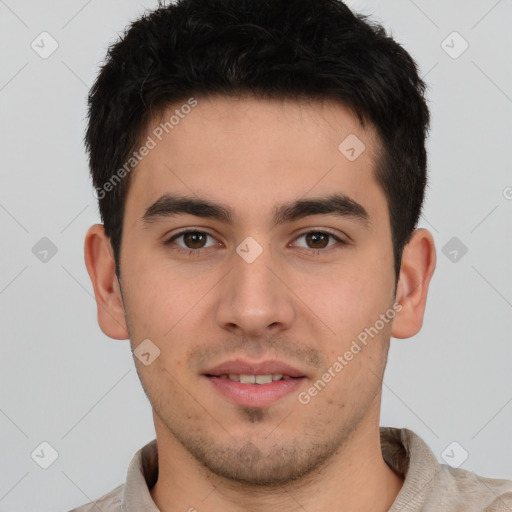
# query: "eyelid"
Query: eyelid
{"points": [[334, 233]]}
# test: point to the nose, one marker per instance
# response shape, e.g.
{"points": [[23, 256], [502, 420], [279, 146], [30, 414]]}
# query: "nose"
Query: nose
{"points": [[254, 300]]}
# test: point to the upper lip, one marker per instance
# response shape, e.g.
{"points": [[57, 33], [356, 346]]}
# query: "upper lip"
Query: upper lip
{"points": [[240, 367]]}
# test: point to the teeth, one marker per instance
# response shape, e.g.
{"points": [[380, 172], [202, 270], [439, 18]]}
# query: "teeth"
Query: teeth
{"points": [[263, 379], [247, 379], [255, 379]]}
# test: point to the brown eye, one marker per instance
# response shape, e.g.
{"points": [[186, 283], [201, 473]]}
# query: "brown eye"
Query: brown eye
{"points": [[317, 240], [194, 239]]}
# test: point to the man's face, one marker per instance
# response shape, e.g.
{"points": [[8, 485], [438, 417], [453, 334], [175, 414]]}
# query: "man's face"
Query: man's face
{"points": [[260, 293]]}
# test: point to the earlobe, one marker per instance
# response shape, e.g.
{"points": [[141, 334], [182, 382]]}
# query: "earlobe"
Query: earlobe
{"points": [[100, 265], [418, 265]]}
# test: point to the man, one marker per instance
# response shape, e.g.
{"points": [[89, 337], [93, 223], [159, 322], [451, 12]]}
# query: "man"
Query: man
{"points": [[260, 168]]}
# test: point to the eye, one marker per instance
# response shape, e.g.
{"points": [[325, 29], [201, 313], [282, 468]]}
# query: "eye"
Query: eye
{"points": [[194, 240], [318, 240]]}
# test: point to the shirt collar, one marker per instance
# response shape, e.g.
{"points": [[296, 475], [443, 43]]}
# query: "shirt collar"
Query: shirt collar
{"points": [[141, 477], [409, 456]]}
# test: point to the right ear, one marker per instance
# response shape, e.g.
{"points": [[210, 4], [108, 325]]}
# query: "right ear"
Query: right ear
{"points": [[100, 263]]}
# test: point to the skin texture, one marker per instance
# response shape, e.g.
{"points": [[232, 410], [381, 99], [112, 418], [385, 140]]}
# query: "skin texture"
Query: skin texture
{"points": [[296, 302]]}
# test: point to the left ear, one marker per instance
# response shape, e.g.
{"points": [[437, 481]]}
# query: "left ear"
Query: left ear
{"points": [[418, 264]]}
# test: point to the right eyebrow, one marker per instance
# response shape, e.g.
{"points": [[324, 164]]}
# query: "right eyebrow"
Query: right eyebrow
{"points": [[170, 205]]}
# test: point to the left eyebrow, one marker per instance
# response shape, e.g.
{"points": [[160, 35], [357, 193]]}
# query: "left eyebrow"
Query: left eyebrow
{"points": [[337, 204], [170, 205]]}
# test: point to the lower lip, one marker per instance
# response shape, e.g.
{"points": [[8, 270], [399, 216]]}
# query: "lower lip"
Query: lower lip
{"points": [[256, 395]]}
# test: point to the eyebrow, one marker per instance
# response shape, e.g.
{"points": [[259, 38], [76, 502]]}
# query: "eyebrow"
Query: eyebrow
{"points": [[170, 205]]}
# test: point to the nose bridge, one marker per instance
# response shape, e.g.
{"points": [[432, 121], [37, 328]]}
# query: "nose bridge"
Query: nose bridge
{"points": [[252, 298]]}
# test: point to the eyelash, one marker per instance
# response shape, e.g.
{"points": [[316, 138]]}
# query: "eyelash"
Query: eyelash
{"points": [[197, 252]]}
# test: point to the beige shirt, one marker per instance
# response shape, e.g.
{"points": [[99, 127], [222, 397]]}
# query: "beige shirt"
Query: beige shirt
{"points": [[428, 486]]}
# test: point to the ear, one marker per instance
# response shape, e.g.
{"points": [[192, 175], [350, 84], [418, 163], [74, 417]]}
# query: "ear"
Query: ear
{"points": [[99, 260], [418, 265]]}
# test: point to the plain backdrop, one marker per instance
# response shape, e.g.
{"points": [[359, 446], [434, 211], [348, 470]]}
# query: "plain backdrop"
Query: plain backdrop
{"points": [[66, 384]]}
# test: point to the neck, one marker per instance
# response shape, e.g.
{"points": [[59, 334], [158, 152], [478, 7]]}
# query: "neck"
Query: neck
{"points": [[356, 479]]}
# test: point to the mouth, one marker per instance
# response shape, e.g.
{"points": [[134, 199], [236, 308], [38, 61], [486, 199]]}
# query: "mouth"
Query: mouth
{"points": [[253, 379], [254, 385]]}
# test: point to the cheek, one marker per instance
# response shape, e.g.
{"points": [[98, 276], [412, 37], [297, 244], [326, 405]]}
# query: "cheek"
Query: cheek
{"points": [[350, 303], [155, 297], [170, 396], [352, 294]]}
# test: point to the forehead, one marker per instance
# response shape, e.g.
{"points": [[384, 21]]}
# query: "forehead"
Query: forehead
{"points": [[255, 153]]}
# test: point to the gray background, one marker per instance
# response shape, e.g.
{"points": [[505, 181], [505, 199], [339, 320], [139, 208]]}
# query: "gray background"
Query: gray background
{"points": [[64, 382]]}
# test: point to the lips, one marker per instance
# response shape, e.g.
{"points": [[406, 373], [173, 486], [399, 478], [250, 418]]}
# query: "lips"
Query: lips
{"points": [[255, 379], [254, 384], [238, 367]]}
